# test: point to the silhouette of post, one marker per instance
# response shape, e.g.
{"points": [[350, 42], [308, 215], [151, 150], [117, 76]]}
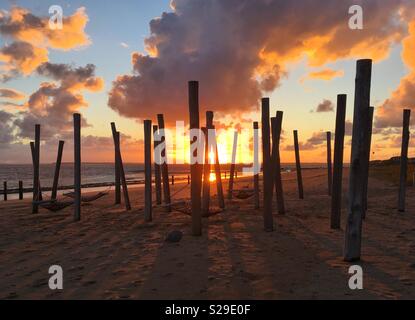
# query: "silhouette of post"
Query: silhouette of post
{"points": [[164, 166], [5, 190], [206, 173], [232, 174], [148, 206], [157, 172], [276, 127], [172, 180], [120, 165], [117, 169], [77, 166], [33, 151], [256, 165], [353, 232], [336, 197], [268, 177], [404, 160], [219, 187], [20, 190], [298, 166], [195, 167], [367, 158], [36, 174], [329, 168], [57, 170]]}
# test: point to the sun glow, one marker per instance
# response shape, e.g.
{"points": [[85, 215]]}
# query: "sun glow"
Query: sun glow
{"points": [[212, 177]]}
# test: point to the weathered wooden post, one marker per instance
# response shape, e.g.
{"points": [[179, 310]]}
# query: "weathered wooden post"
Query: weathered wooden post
{"points": [[353, 232], [329, 168], [120, 165], [157, 172], [188, 179], [77, 166], [232, 174], [36, 174], [117, 169], [268, 177], [256, 165], [336, 197], [276, 127], [218, 175], [20, 190], [5, 190], [164, 166], [206, 172], [172, 180], [148, 206], [195, 167], [33, 151], [57, 170], [298, 166], [404, 160], [367, 157]]}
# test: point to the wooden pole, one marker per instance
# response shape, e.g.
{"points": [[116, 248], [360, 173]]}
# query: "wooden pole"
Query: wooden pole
{"points": [[148, 204], [164, 166], [33, 150], [218, 175], [298, 166], [121, 166], [206, 173], [36, 174], [353, 233], [172, 180], [20, 190], [276, 126], [117, 170], [268, 177], [5, 190], [404, 160], [77, 165], [256, 165], [329, 168], [367, 158], [232, 174], [336, 198], [157, 172], [57, 170], [195, 167]]}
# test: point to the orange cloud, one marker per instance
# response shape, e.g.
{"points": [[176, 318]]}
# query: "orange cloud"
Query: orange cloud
{"points": [[325, 74]]}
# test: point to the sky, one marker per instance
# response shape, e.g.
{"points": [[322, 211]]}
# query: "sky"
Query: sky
{"points": [[126, 61]]}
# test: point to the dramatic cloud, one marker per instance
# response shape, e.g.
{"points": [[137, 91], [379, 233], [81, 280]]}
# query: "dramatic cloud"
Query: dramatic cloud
{"points": [[325, 106], [325, 74], [53, 104], [11, 94], [314, 142], [390, 113], [239, 49], [6, 136], [32, 38]]}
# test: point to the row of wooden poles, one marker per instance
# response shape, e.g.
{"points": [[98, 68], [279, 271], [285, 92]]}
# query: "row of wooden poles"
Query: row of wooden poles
{"points": [[271, 132]]}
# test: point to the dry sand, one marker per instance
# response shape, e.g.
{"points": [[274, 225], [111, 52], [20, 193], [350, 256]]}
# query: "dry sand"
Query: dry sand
{"points": [[113, 254]]}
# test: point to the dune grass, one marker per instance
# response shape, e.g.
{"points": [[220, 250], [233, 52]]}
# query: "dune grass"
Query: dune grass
{"points": [[391, 172]]}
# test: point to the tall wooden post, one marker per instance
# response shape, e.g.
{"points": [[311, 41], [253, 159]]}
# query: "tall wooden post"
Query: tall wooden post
{"points": [[329, 168], [121, 166], [148, 206], [117, 169], [5, 190], [367, 158], [353, 233], [218, 175], [232, 174], [206, 173], [268, 176], [36, 174], [404, 159], [57, 170], [276, 126], [20, 190], [157, 172], [336, 197], [256, 165], [33, 151], [77, 166], [298, 166], [195, 167], [164, 166]]}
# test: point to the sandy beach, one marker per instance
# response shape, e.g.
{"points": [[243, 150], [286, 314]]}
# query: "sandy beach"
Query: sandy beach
{"points": [[114, 254]]}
